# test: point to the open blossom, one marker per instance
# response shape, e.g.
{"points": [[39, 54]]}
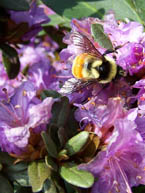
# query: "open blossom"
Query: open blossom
{"points": [[21, 113], [121, 165], [131, 56], [40, 63], [101, 114]]}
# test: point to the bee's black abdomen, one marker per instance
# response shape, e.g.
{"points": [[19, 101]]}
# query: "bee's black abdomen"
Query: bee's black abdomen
{"points": [[104, 70]]}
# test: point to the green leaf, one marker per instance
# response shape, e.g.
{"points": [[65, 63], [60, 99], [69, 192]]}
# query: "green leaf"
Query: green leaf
{"points": [[53, 132], [17, 173], [56, 19], [17, 167], [6, 159], [49, 93], [17, 5], [5, 186], [76, 143], [1, 166], [56, 179], [69, 9], [79, 9], [23, 190], [20, 177], [50, 163], [139, 189], [10, 60], [72, 124], [60, 111], [56, 34], [62, 135], [38, 172], [70, 188], [49, 187], [52, 185], [49, 144], [100, 37], [80, 178], [139, 7]]}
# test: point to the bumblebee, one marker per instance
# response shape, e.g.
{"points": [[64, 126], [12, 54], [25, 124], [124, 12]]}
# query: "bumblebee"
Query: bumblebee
{"points": [[86, 66], [90, 66]]}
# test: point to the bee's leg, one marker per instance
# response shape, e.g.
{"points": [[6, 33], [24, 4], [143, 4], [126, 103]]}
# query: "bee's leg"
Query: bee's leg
{"points": [[120, 46], [109, 51], [121, 72]]}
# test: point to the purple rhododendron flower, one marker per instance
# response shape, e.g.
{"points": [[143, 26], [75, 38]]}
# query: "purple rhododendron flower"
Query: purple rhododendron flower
{"points": [[37, 60], [115, 112], [34, 18], [140, 119], [42, 69], [22, 112], [131, 56], [101, 114], [141, 93], [121, 165], [130, 35]]}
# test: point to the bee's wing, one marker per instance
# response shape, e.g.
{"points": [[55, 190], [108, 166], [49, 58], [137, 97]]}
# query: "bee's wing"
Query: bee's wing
{"points": [[73, 85], [84, 44]]}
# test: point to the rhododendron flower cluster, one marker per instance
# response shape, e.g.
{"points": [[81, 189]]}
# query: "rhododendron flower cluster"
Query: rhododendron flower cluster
{"points": [[18, 115], [22, 113], [114, 112]]}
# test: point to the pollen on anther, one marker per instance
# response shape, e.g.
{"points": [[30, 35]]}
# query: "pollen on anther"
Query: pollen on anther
{"points": [[139, 177], [17, 106], [89, 98], [116, 186], [93, 103], [24, 93]]}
